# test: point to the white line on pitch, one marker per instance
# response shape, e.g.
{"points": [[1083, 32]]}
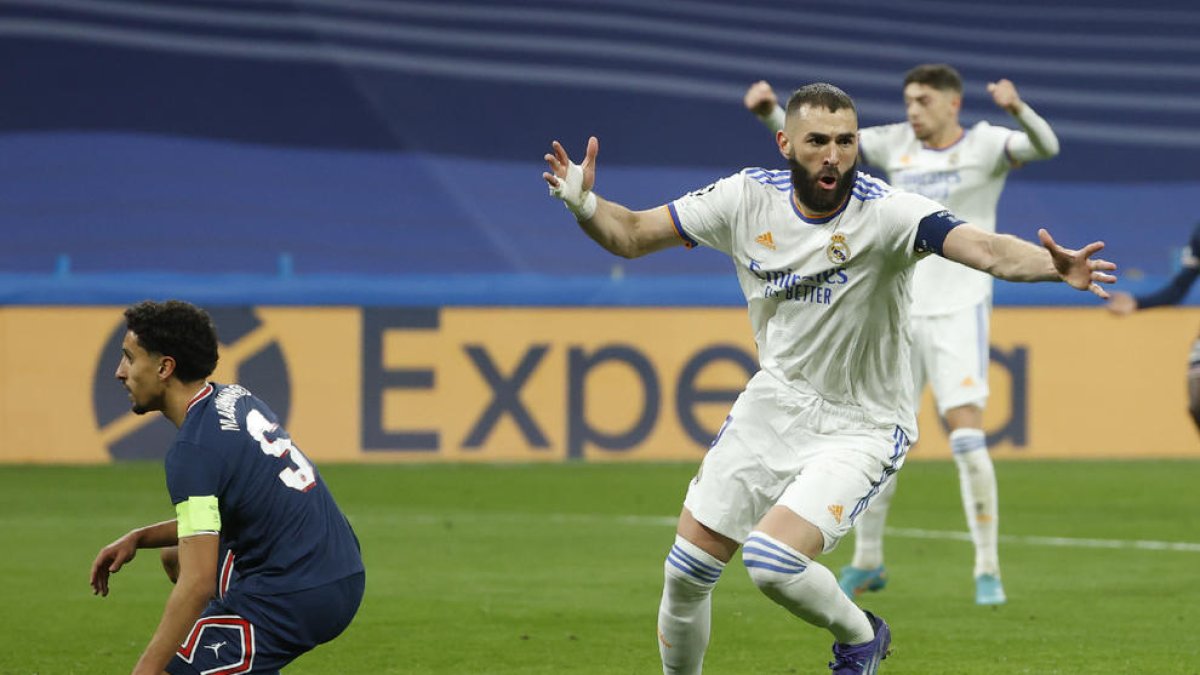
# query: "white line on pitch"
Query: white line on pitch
{"points": [[902, 532], [1066, 542]]}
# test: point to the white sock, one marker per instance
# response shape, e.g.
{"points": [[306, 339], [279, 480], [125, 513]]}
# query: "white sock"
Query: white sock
{"points": [[868, 530], [684, 616], [977, 479], [805, 588]]}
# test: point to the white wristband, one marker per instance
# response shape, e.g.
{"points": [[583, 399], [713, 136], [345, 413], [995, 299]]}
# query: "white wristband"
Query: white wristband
{"points": [[775, 119], [580, 202], [587, 209]]}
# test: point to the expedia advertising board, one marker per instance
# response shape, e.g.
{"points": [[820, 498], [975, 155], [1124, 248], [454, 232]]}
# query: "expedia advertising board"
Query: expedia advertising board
{"points": [[563, 384]]}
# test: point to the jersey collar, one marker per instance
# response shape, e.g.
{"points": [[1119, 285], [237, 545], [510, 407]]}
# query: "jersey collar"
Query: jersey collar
{"points": [[962, 133], [821, 219], [200, 395]]}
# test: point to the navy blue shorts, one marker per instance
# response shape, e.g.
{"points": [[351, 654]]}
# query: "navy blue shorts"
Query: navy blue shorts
{"points": [[243, 633]]}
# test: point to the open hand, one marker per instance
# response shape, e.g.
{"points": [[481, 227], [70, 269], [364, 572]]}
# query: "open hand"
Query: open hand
{"points": [[560, 163], [1077, 268]]}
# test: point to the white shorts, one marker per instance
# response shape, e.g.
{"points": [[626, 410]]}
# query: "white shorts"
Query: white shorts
{"points": [[781, 447], [950, 352]]}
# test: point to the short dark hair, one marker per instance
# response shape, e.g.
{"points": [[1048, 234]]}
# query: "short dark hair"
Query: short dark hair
{"points": [[821, 95], [177, 329], [937, 75]]}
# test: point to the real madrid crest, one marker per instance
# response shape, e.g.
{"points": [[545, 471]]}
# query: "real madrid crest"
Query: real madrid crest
{"points": [[837, 251]]}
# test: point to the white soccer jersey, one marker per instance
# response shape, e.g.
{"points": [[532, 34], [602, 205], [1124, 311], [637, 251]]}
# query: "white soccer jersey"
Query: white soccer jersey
{"points": [[967, 177], [828, 299]]}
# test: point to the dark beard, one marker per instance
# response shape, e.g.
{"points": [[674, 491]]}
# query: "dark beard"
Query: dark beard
{"points": [[820, 201]]}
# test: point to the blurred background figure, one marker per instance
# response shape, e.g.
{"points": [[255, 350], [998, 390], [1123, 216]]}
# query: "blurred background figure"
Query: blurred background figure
{"points": [[1123, 304]]}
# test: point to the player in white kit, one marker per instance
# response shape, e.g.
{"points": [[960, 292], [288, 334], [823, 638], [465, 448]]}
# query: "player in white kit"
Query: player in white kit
{"points": [[964, 169], [824, 255]]}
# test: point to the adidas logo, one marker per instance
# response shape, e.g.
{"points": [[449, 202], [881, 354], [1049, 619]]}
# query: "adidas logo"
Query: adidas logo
{"points": [[766, 240], [836, 511], [968, 381]]}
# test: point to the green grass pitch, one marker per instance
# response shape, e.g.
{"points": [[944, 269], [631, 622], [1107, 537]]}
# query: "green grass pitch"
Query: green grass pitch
{"points": [[558, 568]]}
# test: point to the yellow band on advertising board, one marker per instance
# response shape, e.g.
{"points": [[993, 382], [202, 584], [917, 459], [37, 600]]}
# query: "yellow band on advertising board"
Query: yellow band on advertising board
{"points": [[562, 384]]}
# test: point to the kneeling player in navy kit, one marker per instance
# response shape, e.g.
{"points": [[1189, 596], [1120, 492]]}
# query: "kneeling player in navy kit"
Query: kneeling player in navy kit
{"points": [[267, 566]]}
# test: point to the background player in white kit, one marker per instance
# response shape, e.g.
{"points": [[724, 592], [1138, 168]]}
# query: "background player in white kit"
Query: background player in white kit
{"points": [[824, 256], [964, 169]]}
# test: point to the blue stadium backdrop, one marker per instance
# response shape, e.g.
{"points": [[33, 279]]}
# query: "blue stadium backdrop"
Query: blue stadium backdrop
{"points": [[387, 154], [405, 138]]}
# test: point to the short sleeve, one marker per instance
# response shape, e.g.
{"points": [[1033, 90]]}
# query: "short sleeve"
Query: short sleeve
{"points": [[875, 144], [872, 145], [706, 216], [191, 472], [995, 142], [901, 219]]}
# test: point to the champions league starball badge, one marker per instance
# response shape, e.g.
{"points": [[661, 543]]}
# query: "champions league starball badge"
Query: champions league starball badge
{"points": [[837, 251]]}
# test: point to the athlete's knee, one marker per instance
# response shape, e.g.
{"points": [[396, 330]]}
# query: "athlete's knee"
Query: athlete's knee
{"points": [[690, 568], [169, 556], [772, 564], [969, 416]]}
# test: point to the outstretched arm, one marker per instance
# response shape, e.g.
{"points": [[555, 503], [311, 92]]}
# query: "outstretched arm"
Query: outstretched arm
{"points": [[1012, 259], [1037, 140], [1171, 294], [1122, 303], [619, 230], [760, 99]]}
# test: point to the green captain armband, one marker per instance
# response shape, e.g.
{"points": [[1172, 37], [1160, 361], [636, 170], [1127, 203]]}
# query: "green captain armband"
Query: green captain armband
{"points": [[196, 515]]}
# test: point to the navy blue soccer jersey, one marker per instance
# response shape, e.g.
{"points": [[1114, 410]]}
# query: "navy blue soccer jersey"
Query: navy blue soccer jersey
{"points": [[1177, 288], [277, 517]]}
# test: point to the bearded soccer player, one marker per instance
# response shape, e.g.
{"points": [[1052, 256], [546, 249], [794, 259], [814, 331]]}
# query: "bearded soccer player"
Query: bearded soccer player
{"points": [[824, 256], [266, 566], [964, 169]]}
